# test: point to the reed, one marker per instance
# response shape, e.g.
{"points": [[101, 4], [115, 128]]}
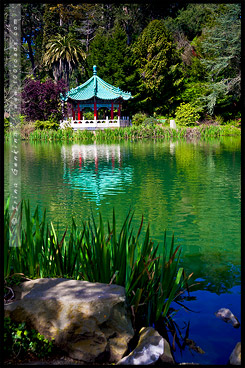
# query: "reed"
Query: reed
{"points": [[97, 253], [209, 131], [132, 132]]}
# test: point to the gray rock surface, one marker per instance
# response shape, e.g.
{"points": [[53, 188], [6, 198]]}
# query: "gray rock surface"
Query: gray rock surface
{"points": [[227, 316], [85, 319], [150, 348], [235, 357], [188, 364]]}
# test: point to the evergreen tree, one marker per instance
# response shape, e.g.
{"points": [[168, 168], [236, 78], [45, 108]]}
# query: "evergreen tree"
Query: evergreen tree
{"points": [[191, 19], [158, 65], [109, 51], [132, 19], [104, 16], [50, 26], [221, 49]]}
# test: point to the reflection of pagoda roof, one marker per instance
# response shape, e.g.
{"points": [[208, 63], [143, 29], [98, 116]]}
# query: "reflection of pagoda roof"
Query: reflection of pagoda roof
{"points": [[96, 87], [100, 183]]}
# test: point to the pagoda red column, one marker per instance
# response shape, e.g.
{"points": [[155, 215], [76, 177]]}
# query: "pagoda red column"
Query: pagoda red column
{"points": [[80, 161], [78, 112], [113, 161], [96, 164], [95, 110], [112, 112]]}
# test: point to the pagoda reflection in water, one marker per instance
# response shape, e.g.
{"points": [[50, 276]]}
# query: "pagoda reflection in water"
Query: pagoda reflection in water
{"points": [[96, 170]]}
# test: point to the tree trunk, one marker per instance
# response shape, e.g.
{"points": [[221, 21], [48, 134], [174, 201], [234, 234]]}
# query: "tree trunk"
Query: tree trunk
{"points": [[66, 72], [28, 40]]}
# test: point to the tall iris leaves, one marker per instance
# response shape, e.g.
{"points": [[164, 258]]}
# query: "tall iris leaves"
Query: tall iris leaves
{"points": [[151, 276]]}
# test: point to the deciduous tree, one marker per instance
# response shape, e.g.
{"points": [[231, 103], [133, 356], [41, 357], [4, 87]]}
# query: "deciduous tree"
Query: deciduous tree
{"points": [[31, 29], [40, 101]]}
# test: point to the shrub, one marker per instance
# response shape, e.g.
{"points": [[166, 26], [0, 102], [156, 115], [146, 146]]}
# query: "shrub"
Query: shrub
{"points": [[227, 130], [20, 341], [40, 124], [236, 123], [186, 114], [150, 121], [27, 129], [160, 119], [6, 124], [52, 123], [21, 121], [138, 118], [88, 115], [219, 119], [40, 101]]}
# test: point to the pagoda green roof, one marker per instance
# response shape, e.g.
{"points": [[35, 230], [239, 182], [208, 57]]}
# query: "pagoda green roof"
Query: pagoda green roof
{"points": [[95, 87]]}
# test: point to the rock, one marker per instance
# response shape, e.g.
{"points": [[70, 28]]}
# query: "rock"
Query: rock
{"points": [[188, 363], [235, 357], [151, 348], [227, 316], [88, 320]]}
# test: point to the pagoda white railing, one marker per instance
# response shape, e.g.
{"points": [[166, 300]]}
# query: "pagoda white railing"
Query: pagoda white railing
{"points": [[95, 124]]}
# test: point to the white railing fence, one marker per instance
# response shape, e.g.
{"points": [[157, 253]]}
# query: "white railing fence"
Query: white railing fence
{"points": [[95, 124]]}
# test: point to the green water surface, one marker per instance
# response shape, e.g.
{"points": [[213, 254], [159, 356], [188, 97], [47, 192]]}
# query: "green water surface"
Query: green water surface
{"points": [[190, 188]]}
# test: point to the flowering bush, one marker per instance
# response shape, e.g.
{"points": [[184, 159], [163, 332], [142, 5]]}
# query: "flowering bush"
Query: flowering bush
{"points": [[40, 101]]}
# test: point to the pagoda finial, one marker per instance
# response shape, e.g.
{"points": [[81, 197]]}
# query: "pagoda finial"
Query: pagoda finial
{"points": [[94, 70]]}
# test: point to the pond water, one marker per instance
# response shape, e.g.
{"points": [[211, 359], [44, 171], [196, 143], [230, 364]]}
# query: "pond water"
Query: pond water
{"points": [[191, 188]]}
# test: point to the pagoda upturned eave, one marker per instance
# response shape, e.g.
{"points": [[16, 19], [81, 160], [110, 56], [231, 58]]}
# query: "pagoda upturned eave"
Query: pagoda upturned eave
{"points": [[96, 87]]}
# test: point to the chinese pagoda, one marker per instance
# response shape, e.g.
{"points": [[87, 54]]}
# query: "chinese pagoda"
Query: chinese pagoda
{"points": [[94, 94]]}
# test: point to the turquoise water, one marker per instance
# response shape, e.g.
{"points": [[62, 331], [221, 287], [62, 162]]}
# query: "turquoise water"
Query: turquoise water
{"points": [[190, 188]]}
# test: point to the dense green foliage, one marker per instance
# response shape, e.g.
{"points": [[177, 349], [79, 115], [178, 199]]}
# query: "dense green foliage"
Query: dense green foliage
{"points": [[152, 281], [19, 341], [186, 115], [110, 52], [148, 129], [138, 119], [164, 54], [221, 52], [157, 62], [47, 124]]}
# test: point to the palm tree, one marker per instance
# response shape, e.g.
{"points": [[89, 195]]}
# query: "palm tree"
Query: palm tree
{"points": [[62, 54]]}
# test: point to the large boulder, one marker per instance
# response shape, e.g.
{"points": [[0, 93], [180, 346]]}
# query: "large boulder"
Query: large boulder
{"points": [[152, 348], [88, 320], [235, 357]]}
